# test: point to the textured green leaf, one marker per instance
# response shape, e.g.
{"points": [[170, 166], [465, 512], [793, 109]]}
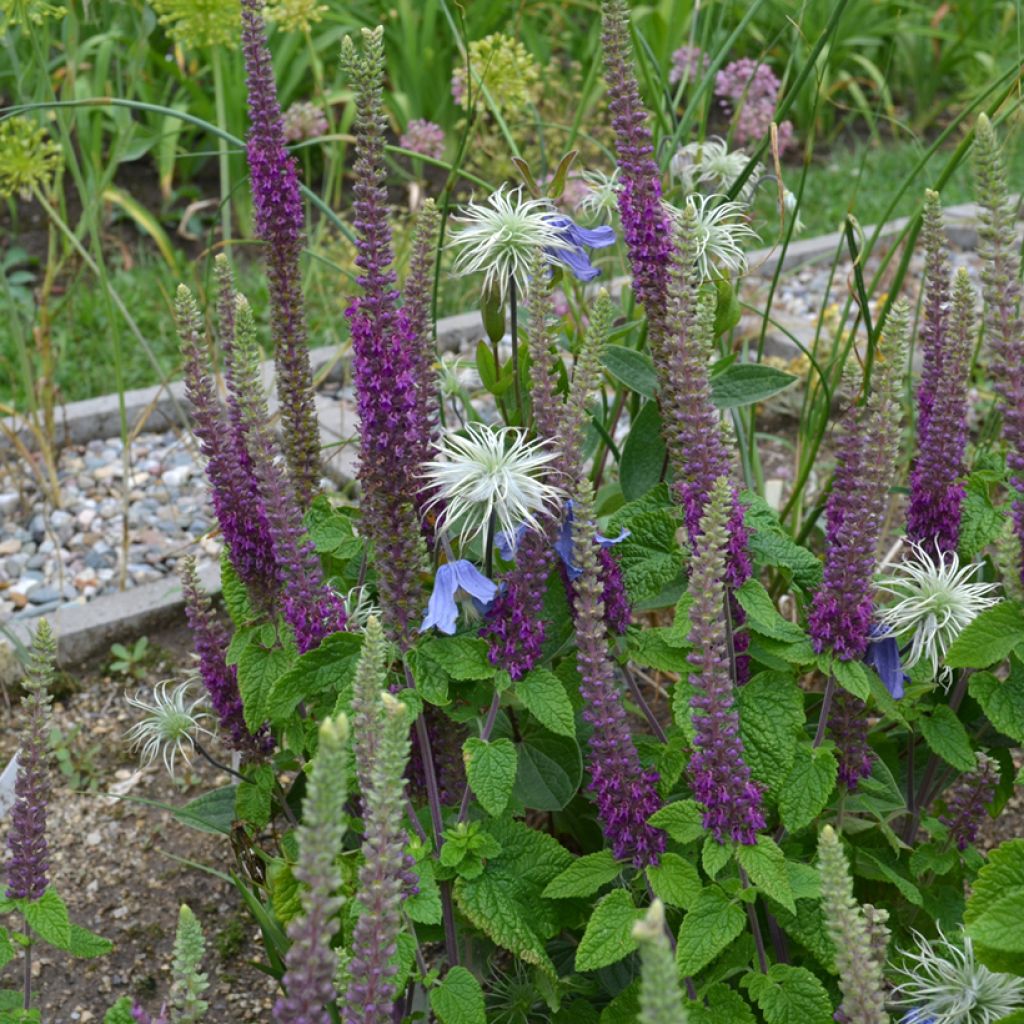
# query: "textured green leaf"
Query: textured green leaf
{"points": [[459, 999], [259, 668], [86, 944], [329, 669], [995, 908], [285, 899], [852, 676], [714, 856], [331, 530], [807, 926], [544, 696], [771, 545], [771, 709], [806, 790], [632, 368], [430, 678], [724, 1005], [212, 811], [643, 454], [980, 521], [675, 881], [1002, 700], [870, 866], [425, 906], [609, 933], [253, 798], [120, 1012], [946, 736], [789, 995], [550, 770], [491, 771], [683, 820], [657, 647], [462, 657], [48, 918], [709, 927], [236, 597], [989, 638], [746, 383], [763, 616], [6, 949], [584, 876], [765, 864]]}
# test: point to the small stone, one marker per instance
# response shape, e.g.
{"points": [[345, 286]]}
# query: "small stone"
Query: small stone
{"points": [[8, 503], [16, 598], [177, 476], [10, 547], [94, 838], [44, 594], [86, 517]]}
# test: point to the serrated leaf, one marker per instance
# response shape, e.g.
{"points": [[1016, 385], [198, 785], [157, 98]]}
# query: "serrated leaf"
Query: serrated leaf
{"points": [[946, 737], [980, 522], [683, 820], [584, 876], [806, 790], [771, 545], [331, 530], [989, 638], [852, 676], [870, 866], [491, 771], [48, 918], [771, 709], [765, 864], [425, 906], [675, 881], [709, 927], [789, 995], [656, 647], [236, 597], [285, 899], [746, 383], [329, 669], [85, 944], [461, 657], [714, 856], [995, 908], [632, 368], [259, 668], [253, 797], [1002, 700], [459, 999], [6, 949], [544, 696], [550, 770], [724, 1005], [430, 678], [763, 616], [120, 1012], [609, 933]]}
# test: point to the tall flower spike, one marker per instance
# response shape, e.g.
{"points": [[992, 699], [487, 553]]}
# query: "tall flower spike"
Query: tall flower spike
{"points": [[189, 981], [1001, 288], [721, 777], [310, 961], [644, 223], [277, 205], [382, 753], [387, 362], [309, 606], [936, 491], [29, 863], [625, 792], [210, 638], [235, 500], [967, 802], [661, 1001], [856, 944]]}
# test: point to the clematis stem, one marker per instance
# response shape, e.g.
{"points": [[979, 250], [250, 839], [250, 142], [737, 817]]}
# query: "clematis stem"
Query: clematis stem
{"points": [[513, 326], [826, 705], [641, 702]]}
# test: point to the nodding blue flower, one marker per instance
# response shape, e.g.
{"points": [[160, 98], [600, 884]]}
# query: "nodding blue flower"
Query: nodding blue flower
{"points": [[575, 257], [564, 543], [454, 582], [883, 655], [507, 541]]}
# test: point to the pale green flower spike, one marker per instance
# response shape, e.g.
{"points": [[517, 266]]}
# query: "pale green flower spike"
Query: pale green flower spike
{"points": [[29, 158], [506, 70], [27, 13], [295, 15], [661, 1001], [858, 934], [189, 982], [196, 23]]}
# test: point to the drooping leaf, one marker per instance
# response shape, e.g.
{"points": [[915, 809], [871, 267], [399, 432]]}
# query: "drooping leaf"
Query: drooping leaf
{"points": [[491, 771], [989, 638], [459, 999], [709, 927], [789, 995], [806, 790], [945, 735], [765, 864], [584, 876], [609, 933]]}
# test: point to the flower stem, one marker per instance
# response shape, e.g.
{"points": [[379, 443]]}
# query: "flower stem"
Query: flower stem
{"points": [[826, 706], [755, 927], [513, 321], [638, 697]]}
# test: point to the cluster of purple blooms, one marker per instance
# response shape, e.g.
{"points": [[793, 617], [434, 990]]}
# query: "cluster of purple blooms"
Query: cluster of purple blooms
{"points": [[423, 137]]}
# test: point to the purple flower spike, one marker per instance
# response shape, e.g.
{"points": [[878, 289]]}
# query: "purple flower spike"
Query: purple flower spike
{"points": [[625, 792], [453, 582], [848, 727], [721, 777], [277, 205], [967, 802]]}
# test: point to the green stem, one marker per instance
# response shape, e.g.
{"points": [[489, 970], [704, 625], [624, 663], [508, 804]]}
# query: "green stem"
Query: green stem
{"points": [[223, 161]]}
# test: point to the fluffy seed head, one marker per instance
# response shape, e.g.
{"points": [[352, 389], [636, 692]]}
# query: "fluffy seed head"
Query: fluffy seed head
{"points": [[720, 230], [171, 719]]}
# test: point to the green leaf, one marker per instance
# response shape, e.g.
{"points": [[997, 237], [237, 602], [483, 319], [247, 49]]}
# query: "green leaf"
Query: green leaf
{"points": [[544, 696], [550, 770], [6, 949], [259, 668], [649, 558], [48, 918], [789, 995], [253, 798], [331, 530], [462, 657], [1002, 700], [236, 597], [212, 811], [459, 999], [425, 906], [763, 616], [285, 899], [86, 944], [584, 876], [643, 454], [745, 383], [120, 1012], [980, 521], [995, 908], [867, 865], [989, 638], [771, 709], [724, 1006], [728, 311], [430, 678], [946, 736], [714, 856], [852, 676], [683, 820], [765, 864], [491, 771], [329, 669], [805, 791], [632, 368], [709, 927], [609, 934], [770, 544], [675, 881]]}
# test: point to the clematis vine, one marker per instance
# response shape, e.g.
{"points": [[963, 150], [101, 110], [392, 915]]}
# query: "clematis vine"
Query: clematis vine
{"points": [[455, 582]]}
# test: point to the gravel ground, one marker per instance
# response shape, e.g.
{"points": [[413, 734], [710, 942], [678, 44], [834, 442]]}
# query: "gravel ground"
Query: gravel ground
{"points": [[119, 864]]}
